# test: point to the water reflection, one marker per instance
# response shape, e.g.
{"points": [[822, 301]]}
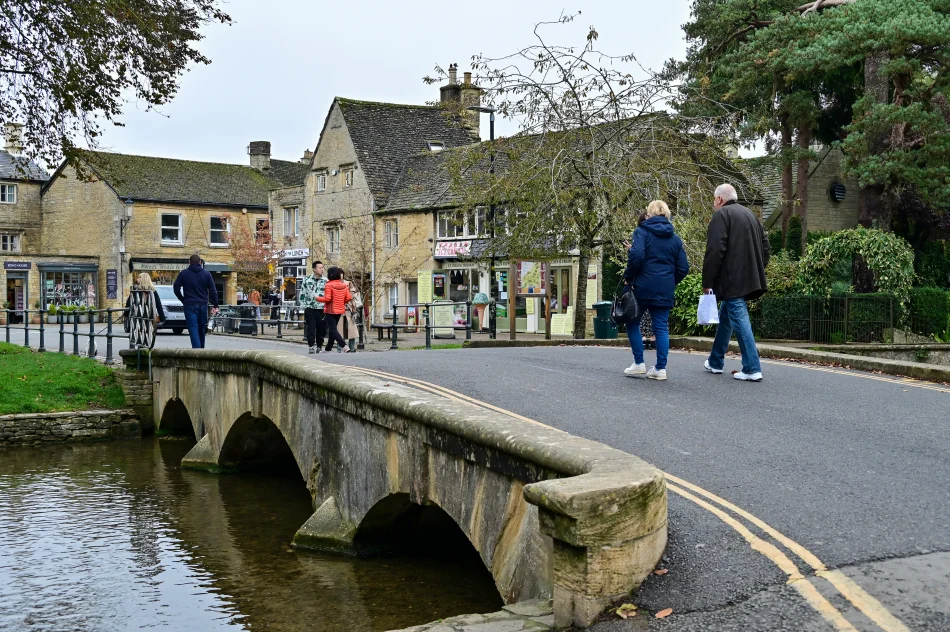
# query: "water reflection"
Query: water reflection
{"points": [[116, 537]]}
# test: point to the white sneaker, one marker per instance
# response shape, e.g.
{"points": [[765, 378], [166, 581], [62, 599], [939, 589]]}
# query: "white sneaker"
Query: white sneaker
{"points": [[636, 369], [656, 374], [712, 370], [748, 377], [314, 350]]}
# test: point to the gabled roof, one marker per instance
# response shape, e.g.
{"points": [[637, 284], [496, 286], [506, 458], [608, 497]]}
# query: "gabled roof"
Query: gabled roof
{"points": [[18, 168], [386, 134], [186, 181]]}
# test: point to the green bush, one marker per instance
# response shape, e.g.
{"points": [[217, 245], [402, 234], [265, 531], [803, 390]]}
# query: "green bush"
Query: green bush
{"points": [[932, 264], [930, 312], [782, 274], [793, 241], [775, 240], [686, 299]]}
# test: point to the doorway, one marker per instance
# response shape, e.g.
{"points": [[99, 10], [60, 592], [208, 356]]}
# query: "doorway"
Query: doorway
{"points": [[17, 296]]}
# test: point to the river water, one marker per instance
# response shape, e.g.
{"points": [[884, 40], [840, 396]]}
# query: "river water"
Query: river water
{"points": [[115, 536]]}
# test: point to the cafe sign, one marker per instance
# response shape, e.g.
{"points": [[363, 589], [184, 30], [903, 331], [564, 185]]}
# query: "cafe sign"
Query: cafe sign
{"points": [[448, 249]]}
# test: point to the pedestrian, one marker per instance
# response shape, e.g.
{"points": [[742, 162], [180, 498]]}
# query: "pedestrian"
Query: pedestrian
{"points": [[656, 263], [351, 316], [311, 291], [256, 302], [274, 302], [194, 287], [144, 282], [737, 252], [336, 296]]}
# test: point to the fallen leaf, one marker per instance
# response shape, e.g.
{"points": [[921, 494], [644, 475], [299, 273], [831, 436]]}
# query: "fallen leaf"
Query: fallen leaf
{"points": [[661, 571], [626, 611], [662, 614]]}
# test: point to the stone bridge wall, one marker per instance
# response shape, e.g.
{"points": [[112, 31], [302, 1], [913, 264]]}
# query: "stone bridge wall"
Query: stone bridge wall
{"points": [[549, 513]]}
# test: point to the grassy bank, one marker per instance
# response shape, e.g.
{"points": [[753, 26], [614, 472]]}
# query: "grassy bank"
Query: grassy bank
{"points": [[32, 382]]}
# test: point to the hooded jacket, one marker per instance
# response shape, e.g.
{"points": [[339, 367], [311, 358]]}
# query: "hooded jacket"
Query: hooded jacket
{"points": [[197, 286], [336, 295], [656, 263], [737, 252]]}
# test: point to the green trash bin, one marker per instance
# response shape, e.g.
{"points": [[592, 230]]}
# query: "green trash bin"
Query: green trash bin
{"points": [[603, 309], [604, 329]]}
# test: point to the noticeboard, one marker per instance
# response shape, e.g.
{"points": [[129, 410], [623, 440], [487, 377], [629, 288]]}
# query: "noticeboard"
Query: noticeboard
{"points": [[443, 319]]}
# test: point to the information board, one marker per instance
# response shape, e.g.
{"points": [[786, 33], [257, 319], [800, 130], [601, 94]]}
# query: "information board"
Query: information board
{"points": [[425, 286], [443, 318], [112, 284]]}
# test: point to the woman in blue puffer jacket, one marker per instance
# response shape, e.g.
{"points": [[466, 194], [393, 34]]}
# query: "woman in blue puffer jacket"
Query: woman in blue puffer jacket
{"points": [[656, 263]]}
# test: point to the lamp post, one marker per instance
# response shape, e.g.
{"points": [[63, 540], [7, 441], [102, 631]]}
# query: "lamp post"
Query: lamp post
{"points": [[492, 286]]}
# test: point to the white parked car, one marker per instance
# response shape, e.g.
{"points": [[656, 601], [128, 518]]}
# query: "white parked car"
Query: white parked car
{"points": [[174, 310]]}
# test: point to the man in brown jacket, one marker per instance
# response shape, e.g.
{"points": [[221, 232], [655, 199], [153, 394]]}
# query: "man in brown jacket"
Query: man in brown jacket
{"points": [[737, 252]]}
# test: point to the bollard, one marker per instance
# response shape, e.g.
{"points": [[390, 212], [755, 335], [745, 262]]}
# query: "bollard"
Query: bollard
{"points": [[361, 343], [278, 325], [42, 347], [62, 332], [468, 320], [428, 331], [393, 345], [7, 326], [26, 328], [75, 333], [109, 337], [92, 335]]}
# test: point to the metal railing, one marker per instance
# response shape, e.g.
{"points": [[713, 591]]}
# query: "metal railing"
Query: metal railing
{"points": [[229, 318], [829, 320], [60, 326], [426, 314]]}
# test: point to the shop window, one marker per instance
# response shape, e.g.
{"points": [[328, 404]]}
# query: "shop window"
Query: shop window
{"points": [[391, 232], [347, 178], [219, 231], [291, 222], [69, 288], [9, 243], [171, 228], [460, 284], [7, 194], [333, 240], [321, 182]]}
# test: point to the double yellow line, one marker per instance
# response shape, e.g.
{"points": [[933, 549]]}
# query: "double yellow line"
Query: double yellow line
{"points": [[730, 514]]}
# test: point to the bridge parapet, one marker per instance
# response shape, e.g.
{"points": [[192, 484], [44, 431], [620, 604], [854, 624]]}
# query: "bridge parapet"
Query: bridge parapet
{"points": [[549, 513]]}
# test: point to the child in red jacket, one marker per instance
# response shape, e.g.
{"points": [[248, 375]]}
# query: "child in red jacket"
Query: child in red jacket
{"points": [[336, 295]]}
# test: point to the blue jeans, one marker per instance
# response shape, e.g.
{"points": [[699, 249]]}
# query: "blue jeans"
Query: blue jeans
{"points": [[661, 329], [734, 316], [196, 319]]}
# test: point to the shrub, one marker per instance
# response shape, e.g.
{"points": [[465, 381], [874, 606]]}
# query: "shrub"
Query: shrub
{"points": [[775, 241], [930, 311], [782, 274], [932, 264], [686, 299], [793, 240]]}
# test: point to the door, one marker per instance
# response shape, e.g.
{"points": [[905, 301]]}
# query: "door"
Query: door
{"points": [[17, 295]]}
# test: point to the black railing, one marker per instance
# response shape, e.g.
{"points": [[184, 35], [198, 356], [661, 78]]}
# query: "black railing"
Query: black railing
{"points": [[855, 318], [233, 319], [425, 313], [62, 319]]}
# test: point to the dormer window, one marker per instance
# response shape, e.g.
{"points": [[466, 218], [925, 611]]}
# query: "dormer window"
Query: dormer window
{"points": [[435, 146]]}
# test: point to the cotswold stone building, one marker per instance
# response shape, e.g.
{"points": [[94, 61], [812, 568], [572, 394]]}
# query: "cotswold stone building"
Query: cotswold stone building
{"points": [[131, 214]]}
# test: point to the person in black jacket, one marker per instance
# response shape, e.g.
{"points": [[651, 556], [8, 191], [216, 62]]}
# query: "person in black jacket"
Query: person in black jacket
{"points": [[737, 252], [656, 263], [194, 287]]}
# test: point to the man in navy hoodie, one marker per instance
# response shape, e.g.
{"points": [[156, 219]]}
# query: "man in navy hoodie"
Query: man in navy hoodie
{"points": [[194, 287]]}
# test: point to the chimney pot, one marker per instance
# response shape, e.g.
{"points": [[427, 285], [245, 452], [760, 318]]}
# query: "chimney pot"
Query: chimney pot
{"points": [[307, 156], [453, 74], [468, 78], [259, 151]]}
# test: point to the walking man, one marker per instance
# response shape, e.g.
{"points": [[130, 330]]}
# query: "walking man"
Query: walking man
{"points": [[737, 251], [312, 288], [194, 287]]}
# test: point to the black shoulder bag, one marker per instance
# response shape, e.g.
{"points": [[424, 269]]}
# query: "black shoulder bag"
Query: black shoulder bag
{"points": [[625, 306]]}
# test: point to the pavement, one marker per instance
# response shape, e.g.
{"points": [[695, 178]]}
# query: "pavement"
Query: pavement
{"points": [[847, 471]]}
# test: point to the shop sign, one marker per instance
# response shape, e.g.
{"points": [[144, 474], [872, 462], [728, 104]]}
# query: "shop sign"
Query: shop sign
{"points": [[296, 253], [112, 284], [158, 267], [453, 248], [296, 261], [16, 265]]}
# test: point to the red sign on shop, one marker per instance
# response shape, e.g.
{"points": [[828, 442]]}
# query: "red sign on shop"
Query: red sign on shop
{"points": [[453, 248]]}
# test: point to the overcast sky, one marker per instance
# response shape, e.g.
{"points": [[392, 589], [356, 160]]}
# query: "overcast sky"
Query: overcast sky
{"points": [[275, 71]]}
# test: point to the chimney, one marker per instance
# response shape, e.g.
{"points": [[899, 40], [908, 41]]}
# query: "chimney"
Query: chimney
{"points": [[450, 92], [470, 95], [259, 151], [307, 157], [13, 132]]}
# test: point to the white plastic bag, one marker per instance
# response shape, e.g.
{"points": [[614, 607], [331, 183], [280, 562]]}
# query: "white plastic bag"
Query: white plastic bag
{"points": [[708, 312]]}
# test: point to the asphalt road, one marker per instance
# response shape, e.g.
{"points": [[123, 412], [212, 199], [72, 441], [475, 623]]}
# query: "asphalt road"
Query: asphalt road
{"points": [[852, 466]]}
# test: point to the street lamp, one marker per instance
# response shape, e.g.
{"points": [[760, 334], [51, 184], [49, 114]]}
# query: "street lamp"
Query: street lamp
{"points": [[492, 286]]}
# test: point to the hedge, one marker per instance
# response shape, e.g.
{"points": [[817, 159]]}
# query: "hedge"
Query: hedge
{"points": [[930, 312]]}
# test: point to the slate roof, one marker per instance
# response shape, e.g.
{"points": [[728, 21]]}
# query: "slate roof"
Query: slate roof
{"points": [[189, 181], [766, 175], [18, 168], [288, 173], [386, 134]]}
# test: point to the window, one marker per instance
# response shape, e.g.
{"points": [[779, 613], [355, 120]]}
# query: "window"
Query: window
{"points": [[291, 222], [171, 228], [262, 230], [7, 194], [481, 222], [9, 243], [435, 145], [219, 231], [333, 240], [391, 232], [456, 224], [69, 288], [393, 298], [322, 182], [347, 178]]}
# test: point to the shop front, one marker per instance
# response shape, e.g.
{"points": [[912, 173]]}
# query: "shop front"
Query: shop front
{"points": [[165, 271], [69, 285], [17, 288], [291, 270], [459, 279]]}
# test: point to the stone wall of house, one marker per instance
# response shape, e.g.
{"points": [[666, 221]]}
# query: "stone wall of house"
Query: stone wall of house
{"points": [[68, 427], [79, 218], [23, 217], [824, 214]]}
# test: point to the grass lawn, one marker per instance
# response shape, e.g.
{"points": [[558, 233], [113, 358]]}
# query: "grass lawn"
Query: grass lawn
{"points": [[32, 382]]}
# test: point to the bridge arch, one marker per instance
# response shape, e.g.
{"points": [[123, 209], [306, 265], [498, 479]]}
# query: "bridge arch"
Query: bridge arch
{"points": [[256, 443], [175, 420]]}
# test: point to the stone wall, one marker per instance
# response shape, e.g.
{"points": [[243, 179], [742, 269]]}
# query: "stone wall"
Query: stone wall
{"points": [[138, 395], [23, 218], [824, 214], [68, 427]]}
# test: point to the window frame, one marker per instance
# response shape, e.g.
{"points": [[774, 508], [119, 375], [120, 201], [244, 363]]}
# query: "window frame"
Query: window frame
{"points": [[391, 233], [180, 241], [321, 181], [348, 177], [14, 242], [291, 221], [226, 230], [331, 231], [392, 288], [10, 188]]}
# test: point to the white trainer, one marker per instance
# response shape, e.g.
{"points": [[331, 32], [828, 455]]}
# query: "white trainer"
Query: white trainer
{"points": [[712, 370], [313, 349], [636, 369], [748, 377], [656, 374]]}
